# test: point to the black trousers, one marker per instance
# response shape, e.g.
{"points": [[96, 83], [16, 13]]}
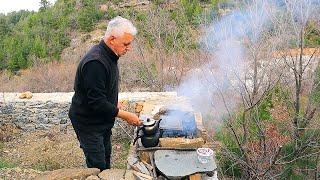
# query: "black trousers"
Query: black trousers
{"points": [[96, 145]]}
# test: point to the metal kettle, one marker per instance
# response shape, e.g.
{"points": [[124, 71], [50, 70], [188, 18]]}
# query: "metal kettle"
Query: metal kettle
{"points": [[149, 141], [150, 133], [150, 126]]}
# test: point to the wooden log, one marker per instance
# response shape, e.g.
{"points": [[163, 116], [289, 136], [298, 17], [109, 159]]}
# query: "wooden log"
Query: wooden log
{"points": [[153, 165], [181, 142], [195, 177]]}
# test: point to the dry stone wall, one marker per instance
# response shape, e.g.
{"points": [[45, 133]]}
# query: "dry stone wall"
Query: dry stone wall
{"points": [[47, 110], [30, 116]]}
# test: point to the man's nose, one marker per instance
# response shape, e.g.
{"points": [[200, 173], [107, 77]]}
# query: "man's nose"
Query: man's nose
{"points": [[129, 47]]}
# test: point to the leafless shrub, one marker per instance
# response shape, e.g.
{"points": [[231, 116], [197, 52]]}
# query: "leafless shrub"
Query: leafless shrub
{"points": [[257, 147]]}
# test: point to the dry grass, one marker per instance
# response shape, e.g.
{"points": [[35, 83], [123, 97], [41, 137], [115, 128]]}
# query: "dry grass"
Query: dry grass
{"points": [[138, 72], [51, 77], [49, 150]]}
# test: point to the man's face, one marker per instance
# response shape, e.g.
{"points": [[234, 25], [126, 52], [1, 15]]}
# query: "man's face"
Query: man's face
{"points": [[121, 44]]}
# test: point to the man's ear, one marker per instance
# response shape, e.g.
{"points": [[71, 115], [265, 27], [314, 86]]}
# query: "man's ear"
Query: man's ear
{"points": [[111, 39]]}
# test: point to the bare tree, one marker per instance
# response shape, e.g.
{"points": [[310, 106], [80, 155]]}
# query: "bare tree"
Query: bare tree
{"points": [[272, 66], [165, 54]]}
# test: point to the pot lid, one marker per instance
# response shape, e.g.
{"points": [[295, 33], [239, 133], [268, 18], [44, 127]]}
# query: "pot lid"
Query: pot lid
{"points": [[149, 122]]}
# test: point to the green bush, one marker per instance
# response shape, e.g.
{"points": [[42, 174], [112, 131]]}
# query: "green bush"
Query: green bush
{"points": [[228, 166], [111, 13], [312, 38], [297, 168], [87, 18], [5, 164], [193, 10], [315, 94]]}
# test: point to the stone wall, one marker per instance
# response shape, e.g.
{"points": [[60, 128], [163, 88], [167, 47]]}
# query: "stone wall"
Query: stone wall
{"points": [[47, 110], [33, 115]]}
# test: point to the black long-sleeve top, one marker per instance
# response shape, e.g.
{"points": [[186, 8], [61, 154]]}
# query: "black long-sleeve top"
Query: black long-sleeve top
{"points": [[94, 104]]}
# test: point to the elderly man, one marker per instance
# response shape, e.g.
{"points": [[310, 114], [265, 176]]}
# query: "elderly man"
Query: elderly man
{"points": [[95, 102]]}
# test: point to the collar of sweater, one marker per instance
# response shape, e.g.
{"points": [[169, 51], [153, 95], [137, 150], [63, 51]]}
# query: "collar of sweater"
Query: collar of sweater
{"points": [[108, 51]]}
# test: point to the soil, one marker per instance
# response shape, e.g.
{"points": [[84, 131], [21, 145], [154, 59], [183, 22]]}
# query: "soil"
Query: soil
{"points": [[30, 153]]}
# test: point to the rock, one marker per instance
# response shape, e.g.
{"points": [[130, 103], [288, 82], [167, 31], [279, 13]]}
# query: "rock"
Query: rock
{"points": [[26, 95], [132, 160], [93, 177], [66, 174], [104, 8], [125, 104], [112, 174], [129, 175], [6, 109], [181, 142], [141, 176], [44, 126], [64, 121], [138, 107], [144, 156], [28, 127], [142, 168]]}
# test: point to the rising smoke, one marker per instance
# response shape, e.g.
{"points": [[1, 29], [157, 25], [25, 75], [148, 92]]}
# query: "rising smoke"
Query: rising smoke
{"points": [[215, 87]]}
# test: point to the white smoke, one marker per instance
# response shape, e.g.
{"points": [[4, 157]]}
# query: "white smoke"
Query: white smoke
{"points": [[214, 87]]}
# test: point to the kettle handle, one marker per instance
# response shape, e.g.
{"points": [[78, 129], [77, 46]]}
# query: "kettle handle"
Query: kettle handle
{"points": [[135, 139], [139, 128], [137, 136], [158, 123]]}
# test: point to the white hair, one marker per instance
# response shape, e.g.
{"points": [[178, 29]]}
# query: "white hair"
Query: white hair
{"points": [[118, 26]]}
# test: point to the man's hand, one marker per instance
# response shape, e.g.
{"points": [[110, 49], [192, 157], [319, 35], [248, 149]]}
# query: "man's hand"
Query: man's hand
{"points": [[131, 118]]}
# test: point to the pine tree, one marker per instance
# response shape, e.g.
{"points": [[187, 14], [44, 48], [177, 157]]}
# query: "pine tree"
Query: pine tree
{"points": [[44, 4]]}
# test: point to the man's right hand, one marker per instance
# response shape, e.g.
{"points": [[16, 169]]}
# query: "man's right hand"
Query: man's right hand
{"points": [[131, 118]]}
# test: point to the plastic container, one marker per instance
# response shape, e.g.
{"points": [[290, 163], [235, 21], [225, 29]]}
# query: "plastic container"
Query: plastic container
{"points": [[204, 155]]}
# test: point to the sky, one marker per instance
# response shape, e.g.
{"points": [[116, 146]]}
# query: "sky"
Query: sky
{"points": [[16, 5]]}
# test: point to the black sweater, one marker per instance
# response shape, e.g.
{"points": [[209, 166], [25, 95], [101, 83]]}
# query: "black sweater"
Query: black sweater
{"points": [[94, 104]]}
